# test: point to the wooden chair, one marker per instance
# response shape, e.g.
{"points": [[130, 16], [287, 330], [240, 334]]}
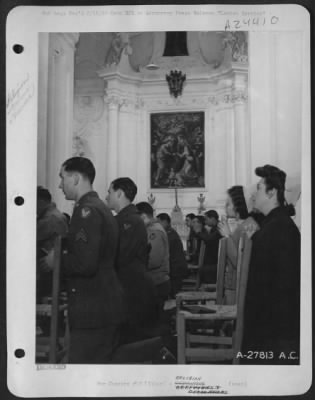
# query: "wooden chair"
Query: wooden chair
{"points": [[206, 292], [212, 347], [193, 281], [52, 348], [218, 287]]}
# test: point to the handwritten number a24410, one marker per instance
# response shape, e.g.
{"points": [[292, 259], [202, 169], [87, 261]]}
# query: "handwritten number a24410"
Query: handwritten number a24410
{"points": [[238, 24]]}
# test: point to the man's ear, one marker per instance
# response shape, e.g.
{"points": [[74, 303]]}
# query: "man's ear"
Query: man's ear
{"points": [[76, 178], [271, 193], [119, 193]]}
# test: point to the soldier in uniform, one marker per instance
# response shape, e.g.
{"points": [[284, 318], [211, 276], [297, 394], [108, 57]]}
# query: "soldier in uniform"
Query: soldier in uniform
{"points": [[131, 263], [158, 263], [95, 299]]}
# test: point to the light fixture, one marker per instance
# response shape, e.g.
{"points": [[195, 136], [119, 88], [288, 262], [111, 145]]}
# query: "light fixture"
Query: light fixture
{"points": [[175, 81]]}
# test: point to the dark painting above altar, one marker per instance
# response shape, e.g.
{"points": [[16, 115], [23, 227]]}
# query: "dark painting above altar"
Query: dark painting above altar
{"points": [[177, 150]]}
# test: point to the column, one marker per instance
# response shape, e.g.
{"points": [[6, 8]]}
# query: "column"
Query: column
{"points": [[142, 141], [127, 140], [242, 149], [112, 142], [43, 63], [60, 110]]}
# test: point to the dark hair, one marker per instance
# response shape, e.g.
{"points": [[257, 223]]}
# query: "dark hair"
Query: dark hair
{"points": [[257, 216], [82, 165], [145, 208], [127, 185], [43, 194], [212, 214], [275, 179], [238, 199], [201, 219], [191, 216], [164, 217]]}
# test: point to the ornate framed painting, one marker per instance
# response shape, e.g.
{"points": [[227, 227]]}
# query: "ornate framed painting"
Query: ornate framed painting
{"points": [[177, 150]]}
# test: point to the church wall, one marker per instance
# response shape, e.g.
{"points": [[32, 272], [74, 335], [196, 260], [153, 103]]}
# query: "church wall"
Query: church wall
{"points": [[275, 83], [250, 120]]}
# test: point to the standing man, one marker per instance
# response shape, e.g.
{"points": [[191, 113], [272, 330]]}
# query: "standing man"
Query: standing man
{"points": [[158, 263], [190, 240], [272, 304], [211, 236], [178, 263], [95, 306], [132, 258]]}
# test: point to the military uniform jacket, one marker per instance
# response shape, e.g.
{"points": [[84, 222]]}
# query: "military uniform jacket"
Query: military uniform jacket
{"points": [[139, 289], [94, 291], [158, 265], [50, 224], [272, 303]]}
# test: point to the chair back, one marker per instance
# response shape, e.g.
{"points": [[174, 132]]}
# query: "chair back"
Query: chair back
{"points": [[55, 301], [221, 270], [244, 254]]}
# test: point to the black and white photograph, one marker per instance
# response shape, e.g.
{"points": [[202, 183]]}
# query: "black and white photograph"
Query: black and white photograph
{"points": [[166, 186]]}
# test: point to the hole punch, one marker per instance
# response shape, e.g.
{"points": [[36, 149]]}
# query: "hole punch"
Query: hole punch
{"points": [[18, 48], [19, 353], [19, 200]]}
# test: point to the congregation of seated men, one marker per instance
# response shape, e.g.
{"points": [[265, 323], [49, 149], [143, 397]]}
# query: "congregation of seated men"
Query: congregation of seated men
{"points": [[121, 265]]}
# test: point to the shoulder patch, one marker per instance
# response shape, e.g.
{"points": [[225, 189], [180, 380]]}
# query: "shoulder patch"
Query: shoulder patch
{"points": [[85, 212], [152, 236], [127, 226], [81, 235]]}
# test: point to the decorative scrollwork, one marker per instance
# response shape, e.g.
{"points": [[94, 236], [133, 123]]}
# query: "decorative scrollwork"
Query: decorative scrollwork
{"points": [[237, 43]]}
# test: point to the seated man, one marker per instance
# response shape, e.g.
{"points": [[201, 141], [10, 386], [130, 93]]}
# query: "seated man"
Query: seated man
{"points": [[158, 263], [178, 264]]}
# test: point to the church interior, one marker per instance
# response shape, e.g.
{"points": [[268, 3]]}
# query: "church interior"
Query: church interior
{"points": [[117, 98]]}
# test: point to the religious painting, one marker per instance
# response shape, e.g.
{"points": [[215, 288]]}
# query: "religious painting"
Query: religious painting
{"points": [[177, 150]]}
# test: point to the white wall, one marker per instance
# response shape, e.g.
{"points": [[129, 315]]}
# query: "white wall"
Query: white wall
{"points": [[251, 119], [275, 84]]}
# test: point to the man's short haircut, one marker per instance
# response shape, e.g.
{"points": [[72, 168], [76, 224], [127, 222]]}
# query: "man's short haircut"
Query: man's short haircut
{"points": [[127, 185], [145, 208], [274, 179], [238, 199], [212, 214], [164, 217], [43, 194], [191, 216], [82, 165]]}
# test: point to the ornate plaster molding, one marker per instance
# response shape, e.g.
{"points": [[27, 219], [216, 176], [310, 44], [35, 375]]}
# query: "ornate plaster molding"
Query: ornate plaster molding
{"points": [[236, 96], [236, 43], [87, 112]]}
